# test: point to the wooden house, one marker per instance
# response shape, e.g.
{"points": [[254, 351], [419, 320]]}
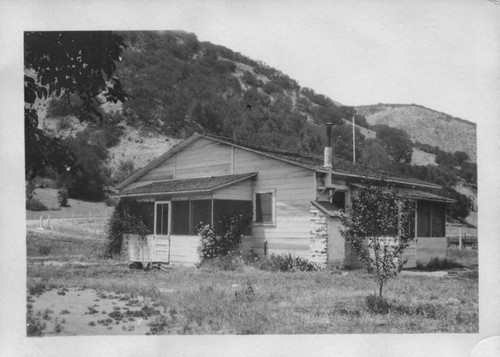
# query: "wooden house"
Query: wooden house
{"points": [[295, 197]]}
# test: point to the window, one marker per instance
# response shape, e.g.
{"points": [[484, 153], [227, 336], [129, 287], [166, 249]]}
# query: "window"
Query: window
{"points": [[338, 200], [264, 207]]}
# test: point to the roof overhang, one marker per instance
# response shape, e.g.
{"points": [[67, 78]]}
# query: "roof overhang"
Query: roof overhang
{"points": [[185, 186], [387, 179]]}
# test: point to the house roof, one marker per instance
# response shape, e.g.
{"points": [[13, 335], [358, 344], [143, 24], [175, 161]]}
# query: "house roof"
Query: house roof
{"points": [[315, 162], [309, 161], [196, 185], [418, 195]]}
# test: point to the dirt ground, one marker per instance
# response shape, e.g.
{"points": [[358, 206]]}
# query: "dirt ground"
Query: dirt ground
{"points": [[83, 311]]}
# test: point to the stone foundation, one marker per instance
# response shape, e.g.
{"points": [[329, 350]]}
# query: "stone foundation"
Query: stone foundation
{"points": [[318, 237]]}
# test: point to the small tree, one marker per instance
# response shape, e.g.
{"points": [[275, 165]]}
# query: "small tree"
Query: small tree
{"points": [[378, 225]]}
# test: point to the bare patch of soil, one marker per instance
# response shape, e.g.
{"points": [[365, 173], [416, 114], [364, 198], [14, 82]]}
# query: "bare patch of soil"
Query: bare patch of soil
{"points": [[82, 311]]}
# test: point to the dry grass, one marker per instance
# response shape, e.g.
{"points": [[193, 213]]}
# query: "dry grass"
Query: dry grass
{"points": [[77, 208], [250, 301]]}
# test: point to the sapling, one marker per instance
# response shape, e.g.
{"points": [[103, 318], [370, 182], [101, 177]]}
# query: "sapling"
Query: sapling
{"points": [[378, 225]]}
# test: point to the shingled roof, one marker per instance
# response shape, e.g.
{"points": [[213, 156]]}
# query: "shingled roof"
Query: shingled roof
{"points": [[196, 185], [315, 162]]}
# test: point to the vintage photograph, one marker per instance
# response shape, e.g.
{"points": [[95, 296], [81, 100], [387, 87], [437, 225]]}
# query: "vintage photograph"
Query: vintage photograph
{"points": [[272, 169]]}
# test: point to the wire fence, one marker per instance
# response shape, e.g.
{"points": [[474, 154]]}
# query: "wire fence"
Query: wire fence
{"points": [[86, 227]]}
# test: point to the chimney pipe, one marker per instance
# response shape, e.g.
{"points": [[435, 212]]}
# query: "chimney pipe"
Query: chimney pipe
{"points": [[328, 149]]}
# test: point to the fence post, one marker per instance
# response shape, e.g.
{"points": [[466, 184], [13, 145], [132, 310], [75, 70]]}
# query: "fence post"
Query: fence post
{"points": [[460, 238]]}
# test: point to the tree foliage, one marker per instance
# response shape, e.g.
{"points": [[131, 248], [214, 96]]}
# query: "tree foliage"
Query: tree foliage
{"points": [[66, 64], [127, 218], [378, 225], [397, 143]]}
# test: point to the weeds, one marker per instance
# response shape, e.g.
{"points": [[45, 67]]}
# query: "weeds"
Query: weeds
{"points": [[91, 310], [436, 264], [37, 290], [287, 263], [44, 250], [34, 327], [158, 326]]}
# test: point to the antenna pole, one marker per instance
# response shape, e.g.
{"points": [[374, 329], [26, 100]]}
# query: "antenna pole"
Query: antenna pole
{"points": [[353, 140]]}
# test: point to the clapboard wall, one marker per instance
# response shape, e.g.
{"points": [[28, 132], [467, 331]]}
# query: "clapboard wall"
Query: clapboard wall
{"points": [[294, 188]]}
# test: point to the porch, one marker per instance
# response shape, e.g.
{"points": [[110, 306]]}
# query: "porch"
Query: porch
{"points": [[171, 211]]}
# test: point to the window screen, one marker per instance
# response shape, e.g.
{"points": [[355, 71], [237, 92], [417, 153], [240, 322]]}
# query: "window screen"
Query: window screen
{"points": [[423, 219], [431, 219], [438, 220], [201, 211], [180, 217], [147, 214], [264, 207]]}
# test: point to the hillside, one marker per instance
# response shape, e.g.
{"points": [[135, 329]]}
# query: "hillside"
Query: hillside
{"points": [[425, 125]]}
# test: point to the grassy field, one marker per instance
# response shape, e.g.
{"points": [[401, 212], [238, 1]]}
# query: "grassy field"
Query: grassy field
{"points": [[77, 208], [246, 301]]}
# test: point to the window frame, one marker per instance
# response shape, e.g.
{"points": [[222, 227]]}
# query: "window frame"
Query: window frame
{"points": [[273, 208]]}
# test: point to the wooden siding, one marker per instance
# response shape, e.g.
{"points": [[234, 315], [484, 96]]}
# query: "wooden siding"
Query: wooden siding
{"points": [[352, 260], [409, 255], [202, 158], [184, 250], [294, 188], [428, 248], [240, 191], [162, 249]]}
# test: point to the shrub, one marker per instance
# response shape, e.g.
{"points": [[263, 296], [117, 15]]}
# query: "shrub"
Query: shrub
{"points": [[126, 219], [287, 263], [271, 87], [44, 250], [35, 205], [436, 264], [62, 197], [123, 171], [111, 201], [34, 327], [232, 226], [377, 304], [30, 189], [230, 262]]}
